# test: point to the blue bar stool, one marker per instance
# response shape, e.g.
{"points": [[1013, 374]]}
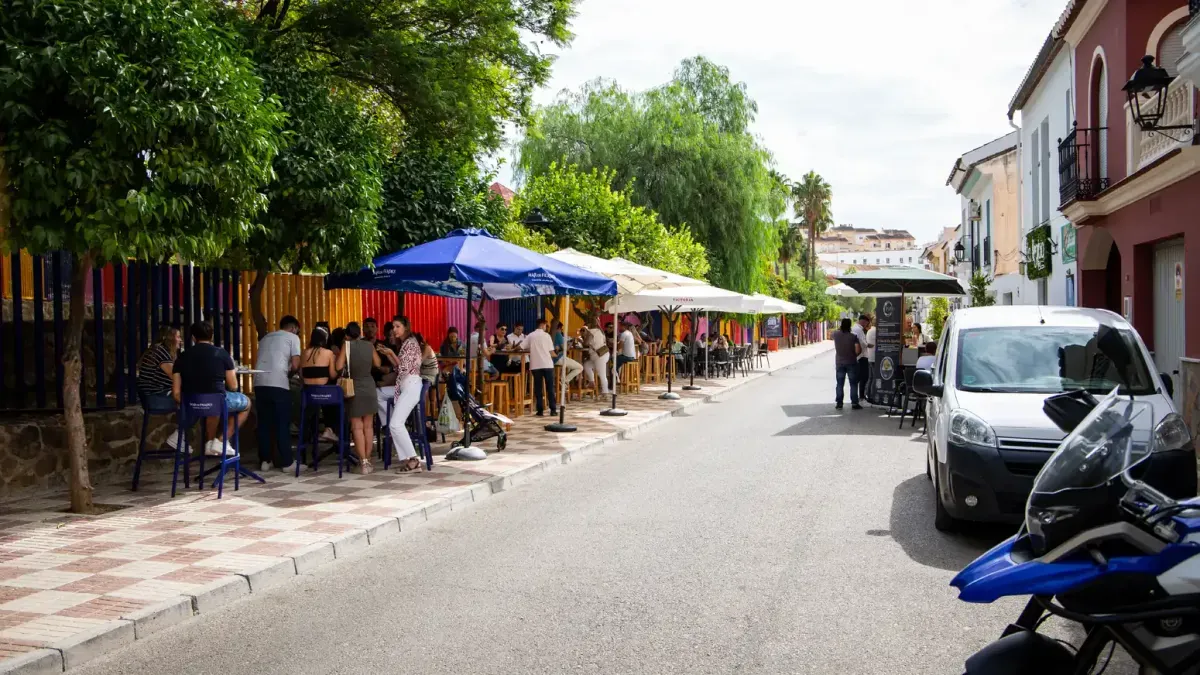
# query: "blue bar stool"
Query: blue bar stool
{"points": [[321, 396], [418, 421], [195, 407], [143, 453]]}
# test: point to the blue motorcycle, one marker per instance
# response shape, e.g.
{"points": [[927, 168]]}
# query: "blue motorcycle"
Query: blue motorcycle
{"points": [[1098, 547]]}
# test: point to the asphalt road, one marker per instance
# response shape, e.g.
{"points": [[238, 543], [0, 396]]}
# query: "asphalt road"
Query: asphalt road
{"points": [[766, 534]]}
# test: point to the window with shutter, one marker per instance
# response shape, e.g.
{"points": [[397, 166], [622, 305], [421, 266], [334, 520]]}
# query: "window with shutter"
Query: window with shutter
{"points": [[1045, 162], [1170, 49], [1035, 161]]}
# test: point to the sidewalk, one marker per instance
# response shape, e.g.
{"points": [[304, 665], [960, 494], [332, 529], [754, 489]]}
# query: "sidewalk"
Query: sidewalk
{"points": [[72, 588]]}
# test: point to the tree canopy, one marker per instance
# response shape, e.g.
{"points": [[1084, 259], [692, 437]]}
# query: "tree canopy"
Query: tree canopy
{"points": [[587, 214], [129, 129], [683, 150]]}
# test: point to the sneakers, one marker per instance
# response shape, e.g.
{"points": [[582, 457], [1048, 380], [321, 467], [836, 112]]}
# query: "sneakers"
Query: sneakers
{"points": [[856, 407], [213, 448], [173, 442], [837, 406], [290, 469], [265, 467], [328, 435]]}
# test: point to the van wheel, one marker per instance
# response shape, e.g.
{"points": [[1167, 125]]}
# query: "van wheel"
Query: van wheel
{"points": [[942, 520]]}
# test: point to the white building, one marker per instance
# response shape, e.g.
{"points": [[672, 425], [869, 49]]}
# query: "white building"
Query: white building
{"points": [[1045, 105], [986, 181], [908, 257]]}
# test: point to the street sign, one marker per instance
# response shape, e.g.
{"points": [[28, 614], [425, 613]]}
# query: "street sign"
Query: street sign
{"points": [[1068, 243], [889, 343], [773, 327]]}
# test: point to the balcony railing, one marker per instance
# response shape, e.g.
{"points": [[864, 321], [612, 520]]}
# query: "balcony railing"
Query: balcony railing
{"points": [[1147, 146], [1082, 167]]}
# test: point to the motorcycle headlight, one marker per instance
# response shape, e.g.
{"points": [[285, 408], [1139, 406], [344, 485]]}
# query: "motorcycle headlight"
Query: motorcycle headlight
{"points": [[1171, 434], [966, 427]]}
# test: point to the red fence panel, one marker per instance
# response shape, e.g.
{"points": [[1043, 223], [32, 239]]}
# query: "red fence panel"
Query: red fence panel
{"points": [[427, 314]]}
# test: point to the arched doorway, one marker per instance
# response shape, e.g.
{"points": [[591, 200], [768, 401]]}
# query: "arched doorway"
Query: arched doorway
{"points": [[1100, 272]]}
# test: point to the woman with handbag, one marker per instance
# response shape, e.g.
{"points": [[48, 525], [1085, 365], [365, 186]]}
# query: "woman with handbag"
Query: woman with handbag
{"points": [[355, 362], [408, 394]]}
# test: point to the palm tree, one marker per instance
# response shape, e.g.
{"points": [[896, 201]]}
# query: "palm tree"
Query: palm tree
{"points": [[791, 242], [813, 201]]}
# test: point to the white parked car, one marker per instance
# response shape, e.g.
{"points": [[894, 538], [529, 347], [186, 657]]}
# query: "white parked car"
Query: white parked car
{"points": [[994, 368]]}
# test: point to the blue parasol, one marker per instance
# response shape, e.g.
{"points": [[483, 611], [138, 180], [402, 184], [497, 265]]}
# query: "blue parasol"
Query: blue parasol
{"points": [[476, 258]]}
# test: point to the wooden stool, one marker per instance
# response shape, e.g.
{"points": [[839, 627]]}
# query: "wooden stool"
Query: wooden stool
{"points": [[586, 389], [496, 393], [631, 378], [651, 369], [511, 380]]}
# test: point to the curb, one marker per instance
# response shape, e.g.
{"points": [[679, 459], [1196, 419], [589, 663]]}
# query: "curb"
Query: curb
{"points": [[83, 647]]}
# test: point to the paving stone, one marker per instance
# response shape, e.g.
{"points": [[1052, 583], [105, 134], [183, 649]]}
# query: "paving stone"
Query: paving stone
{"points": [[349, 543], [36, 662], [270, 574], [153, 618], [219, 593], [87, 645], [312, 556]]}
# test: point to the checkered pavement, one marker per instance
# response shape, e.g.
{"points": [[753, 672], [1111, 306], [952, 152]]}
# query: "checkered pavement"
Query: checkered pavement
{"points": [[64, 575]]}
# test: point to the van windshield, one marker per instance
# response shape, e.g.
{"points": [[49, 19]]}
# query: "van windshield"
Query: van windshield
{"points": [[1044, 360]]}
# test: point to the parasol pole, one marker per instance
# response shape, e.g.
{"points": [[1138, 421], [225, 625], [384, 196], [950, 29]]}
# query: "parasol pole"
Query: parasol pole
{"points": [[691, 385], [478, 351], [561, 425], [669, 395], [614, 411]]}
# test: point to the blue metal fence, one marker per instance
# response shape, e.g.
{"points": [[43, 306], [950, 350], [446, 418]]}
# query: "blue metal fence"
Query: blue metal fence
{"points": [[129, 303]]}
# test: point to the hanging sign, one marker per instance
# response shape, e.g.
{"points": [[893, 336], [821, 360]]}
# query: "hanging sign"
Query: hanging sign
{"points": [[1037, 251], [889, 343], [1068, 243]]}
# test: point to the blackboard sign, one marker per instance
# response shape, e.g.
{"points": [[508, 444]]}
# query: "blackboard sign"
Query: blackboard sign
{"points": [[773, 327], [889, 343]]}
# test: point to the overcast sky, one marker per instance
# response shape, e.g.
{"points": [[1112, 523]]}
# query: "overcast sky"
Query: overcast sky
{"points": [[878, 96]]}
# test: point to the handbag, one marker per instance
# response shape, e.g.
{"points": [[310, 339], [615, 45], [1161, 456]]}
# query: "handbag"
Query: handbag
{"points": [[345, 382]]}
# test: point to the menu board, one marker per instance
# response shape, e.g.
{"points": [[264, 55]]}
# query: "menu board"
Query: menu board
{"points": [[773, 327], [889, 343]]}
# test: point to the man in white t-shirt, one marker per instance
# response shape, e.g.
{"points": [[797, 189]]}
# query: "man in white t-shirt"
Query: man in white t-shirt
{"points": [[516, 339], [541, 365], [627, 342], [870, 359], [597, 355], [278, 357], [864, 367]]}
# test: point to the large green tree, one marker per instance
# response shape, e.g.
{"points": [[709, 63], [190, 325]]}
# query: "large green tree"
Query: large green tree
{"points": [[683, 150], [813, 201], [328, 175], [587, 214], [129, 129], [455, 70]]}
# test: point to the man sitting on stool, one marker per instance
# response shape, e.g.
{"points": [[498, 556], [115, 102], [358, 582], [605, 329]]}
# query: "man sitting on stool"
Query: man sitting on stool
{"points": [[205, 368]]}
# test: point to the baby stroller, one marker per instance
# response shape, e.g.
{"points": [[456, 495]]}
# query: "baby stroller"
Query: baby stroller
{"points": [[484, 424]]}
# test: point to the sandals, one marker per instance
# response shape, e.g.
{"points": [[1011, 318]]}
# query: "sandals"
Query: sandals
{"points": [[365, 466], [409, 465]]}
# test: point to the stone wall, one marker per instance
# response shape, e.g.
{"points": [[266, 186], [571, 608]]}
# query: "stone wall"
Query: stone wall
{"points": [[33, 456]]}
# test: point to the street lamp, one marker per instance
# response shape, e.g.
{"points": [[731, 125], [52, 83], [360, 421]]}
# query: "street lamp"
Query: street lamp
{"points": [[960, 252], [536, 220], [1149, 82]]}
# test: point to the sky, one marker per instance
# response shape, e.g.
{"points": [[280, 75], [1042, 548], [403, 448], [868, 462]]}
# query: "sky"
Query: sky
{"points": [[878, 96]]}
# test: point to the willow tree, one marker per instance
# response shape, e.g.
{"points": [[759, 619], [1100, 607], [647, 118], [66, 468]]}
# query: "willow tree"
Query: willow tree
{"points": [[131, 129], [683, 150]]}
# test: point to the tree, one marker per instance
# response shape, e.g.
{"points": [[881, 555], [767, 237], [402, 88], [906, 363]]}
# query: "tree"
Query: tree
{"points": [[587, 214], [813, 200], [325, 192], [939, 310], [130, 129], [978, 291], [682, 150], [429, 191], [454, 70]]}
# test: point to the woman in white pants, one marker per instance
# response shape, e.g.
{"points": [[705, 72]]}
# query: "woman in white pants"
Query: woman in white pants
{"points": [[408, 395]]}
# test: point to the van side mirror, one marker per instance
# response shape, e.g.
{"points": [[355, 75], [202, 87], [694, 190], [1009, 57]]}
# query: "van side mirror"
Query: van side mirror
{"points": [[1168, 384], [922, 383]]}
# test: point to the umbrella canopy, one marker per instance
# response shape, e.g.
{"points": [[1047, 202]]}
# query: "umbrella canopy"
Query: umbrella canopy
{"points": [[906, 280], [841, 291], [629, 276], [685, 298], [776, 306], [474, 257]]}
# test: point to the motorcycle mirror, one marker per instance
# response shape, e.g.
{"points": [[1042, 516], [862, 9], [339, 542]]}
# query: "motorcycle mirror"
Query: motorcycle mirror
{"points": [[1068, 409]]}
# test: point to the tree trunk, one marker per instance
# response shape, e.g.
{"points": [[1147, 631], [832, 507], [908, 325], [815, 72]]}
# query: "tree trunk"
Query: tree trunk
{"points": [[256, 311], [812, 250], [77, 446]]}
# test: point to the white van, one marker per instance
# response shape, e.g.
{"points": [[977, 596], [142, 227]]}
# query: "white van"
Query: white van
{"points": [[988, 436]]}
